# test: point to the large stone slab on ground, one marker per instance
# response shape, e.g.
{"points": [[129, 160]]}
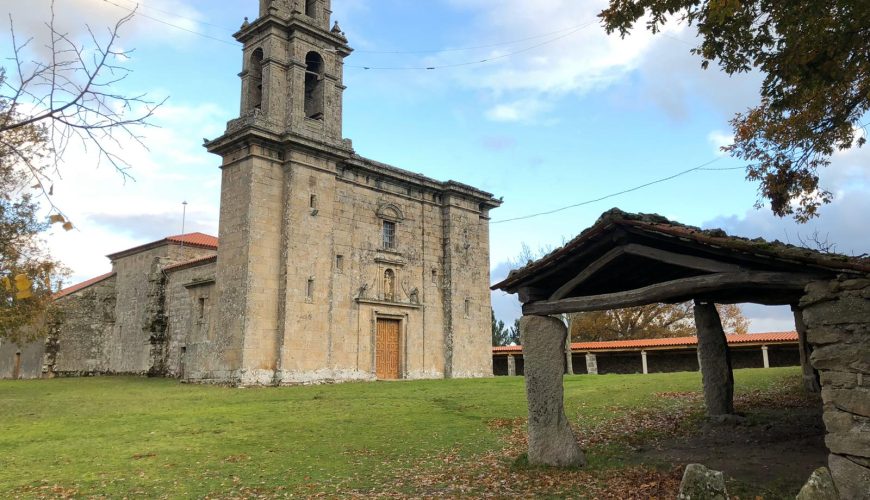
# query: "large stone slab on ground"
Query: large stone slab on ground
{"points": [[551, 441], [852, 480], [701, 483], [820, 486]]}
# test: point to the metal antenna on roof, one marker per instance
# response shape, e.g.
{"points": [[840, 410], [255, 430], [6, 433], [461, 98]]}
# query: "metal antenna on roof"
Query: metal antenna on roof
{"points": [[183, 219]]}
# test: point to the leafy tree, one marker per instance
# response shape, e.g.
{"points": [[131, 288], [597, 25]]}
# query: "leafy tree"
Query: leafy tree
{"points": [[815, 57], [514, 333], [45, 106], [649, 321], [25, 268], [503, 335]]}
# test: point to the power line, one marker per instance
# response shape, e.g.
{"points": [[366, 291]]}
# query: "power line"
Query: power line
{"points": [[477, 61], [161, 21], [471, 47], [573, 30], [173, 14], [625, 191]]}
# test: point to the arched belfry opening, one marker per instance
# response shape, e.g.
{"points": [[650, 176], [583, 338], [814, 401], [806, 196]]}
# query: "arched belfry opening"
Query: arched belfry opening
{"points": [[256, 71], [311, 8], [314, 86]]}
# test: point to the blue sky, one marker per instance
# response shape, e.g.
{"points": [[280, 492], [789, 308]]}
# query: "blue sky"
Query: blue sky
{"points": [[561, 114]]}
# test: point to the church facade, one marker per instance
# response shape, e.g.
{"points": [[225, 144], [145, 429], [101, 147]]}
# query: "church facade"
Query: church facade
{"points": [[328, 266]]}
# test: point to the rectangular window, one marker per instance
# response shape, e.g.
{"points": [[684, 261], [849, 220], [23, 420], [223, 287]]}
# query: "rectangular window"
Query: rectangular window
{"points": [[339, 263], [467, 307], [389, 234], [201, 310], [309, 289]]}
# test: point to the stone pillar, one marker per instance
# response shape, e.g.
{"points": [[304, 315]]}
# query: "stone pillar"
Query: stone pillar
{"points": [[764, 355], [715, 361], [551, 441], [811, 376], [512, 365], [591, 364], [837, 318], [643, 361]]}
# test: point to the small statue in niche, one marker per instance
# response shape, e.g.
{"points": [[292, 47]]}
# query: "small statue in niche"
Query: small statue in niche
{"points": [[414, 296], [389, 285]]}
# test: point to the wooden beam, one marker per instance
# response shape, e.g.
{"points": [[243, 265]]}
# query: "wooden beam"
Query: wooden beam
{"points": [[587, 273], [681, 289], [530, 294], [664, 256], [682, 260]]}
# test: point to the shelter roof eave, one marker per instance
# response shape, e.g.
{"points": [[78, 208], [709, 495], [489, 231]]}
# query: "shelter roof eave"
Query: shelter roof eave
{"points": [[668, 262]]}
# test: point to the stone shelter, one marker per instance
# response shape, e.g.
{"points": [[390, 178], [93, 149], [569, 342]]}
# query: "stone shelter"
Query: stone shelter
{"points": [[626, 260], [676, 354], [331, 266]]}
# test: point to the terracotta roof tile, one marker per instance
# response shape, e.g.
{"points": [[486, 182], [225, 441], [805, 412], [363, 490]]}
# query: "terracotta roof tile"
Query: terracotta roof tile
{"points": [[198, 240], [669, 342], [81, 286], [191, 263], [195, 239]]}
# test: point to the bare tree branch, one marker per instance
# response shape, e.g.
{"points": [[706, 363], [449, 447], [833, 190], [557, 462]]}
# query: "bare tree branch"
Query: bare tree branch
{"points": [[71, 97]]}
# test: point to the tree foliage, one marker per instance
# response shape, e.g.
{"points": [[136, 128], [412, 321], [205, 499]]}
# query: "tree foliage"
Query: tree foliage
{"points": [[649, 321], [26, 270], [46, 105], [815, 58], [503, 334]]}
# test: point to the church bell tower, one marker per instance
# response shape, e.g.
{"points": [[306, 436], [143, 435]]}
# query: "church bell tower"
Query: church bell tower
{"points": [[293, 69], [290, 118]]}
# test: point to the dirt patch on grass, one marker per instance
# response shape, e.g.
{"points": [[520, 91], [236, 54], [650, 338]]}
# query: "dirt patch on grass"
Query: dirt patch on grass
{"points": [[770, 454]]}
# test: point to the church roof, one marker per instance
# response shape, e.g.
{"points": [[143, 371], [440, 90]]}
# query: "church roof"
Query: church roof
{"points": [[201, 261], [81, 286], [637, 344], [196, 240]]}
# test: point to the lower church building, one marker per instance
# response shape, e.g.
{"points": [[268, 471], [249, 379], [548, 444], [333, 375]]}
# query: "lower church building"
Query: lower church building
{"points": [[328, 266]]}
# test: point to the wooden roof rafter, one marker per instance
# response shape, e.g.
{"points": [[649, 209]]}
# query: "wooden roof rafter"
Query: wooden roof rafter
{"points": [[664, 256]]}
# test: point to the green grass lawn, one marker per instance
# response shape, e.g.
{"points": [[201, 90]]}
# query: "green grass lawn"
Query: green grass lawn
{"points": [[120, 436]]}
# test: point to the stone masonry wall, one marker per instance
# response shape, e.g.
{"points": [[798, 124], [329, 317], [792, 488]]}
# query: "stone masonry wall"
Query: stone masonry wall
{"points": [[27, 358], [837, 315], [86, 322], [337, 245], [191, 349]]}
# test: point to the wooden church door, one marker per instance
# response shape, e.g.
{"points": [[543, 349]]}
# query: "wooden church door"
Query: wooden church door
{"points": [[387, 349]]}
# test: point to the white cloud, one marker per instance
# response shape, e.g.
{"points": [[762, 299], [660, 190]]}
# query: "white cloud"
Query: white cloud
{"points": [[72, 17], [521, 110], [578, 59], [718, 139], [506, 307], [111, 215]]}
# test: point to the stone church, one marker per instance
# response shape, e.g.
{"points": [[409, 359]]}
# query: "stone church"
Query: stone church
{"points": [[328, 266]]}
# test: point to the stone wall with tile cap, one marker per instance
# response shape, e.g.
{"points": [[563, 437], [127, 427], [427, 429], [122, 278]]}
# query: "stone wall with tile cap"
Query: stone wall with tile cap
{"points": [[837, 315]]}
